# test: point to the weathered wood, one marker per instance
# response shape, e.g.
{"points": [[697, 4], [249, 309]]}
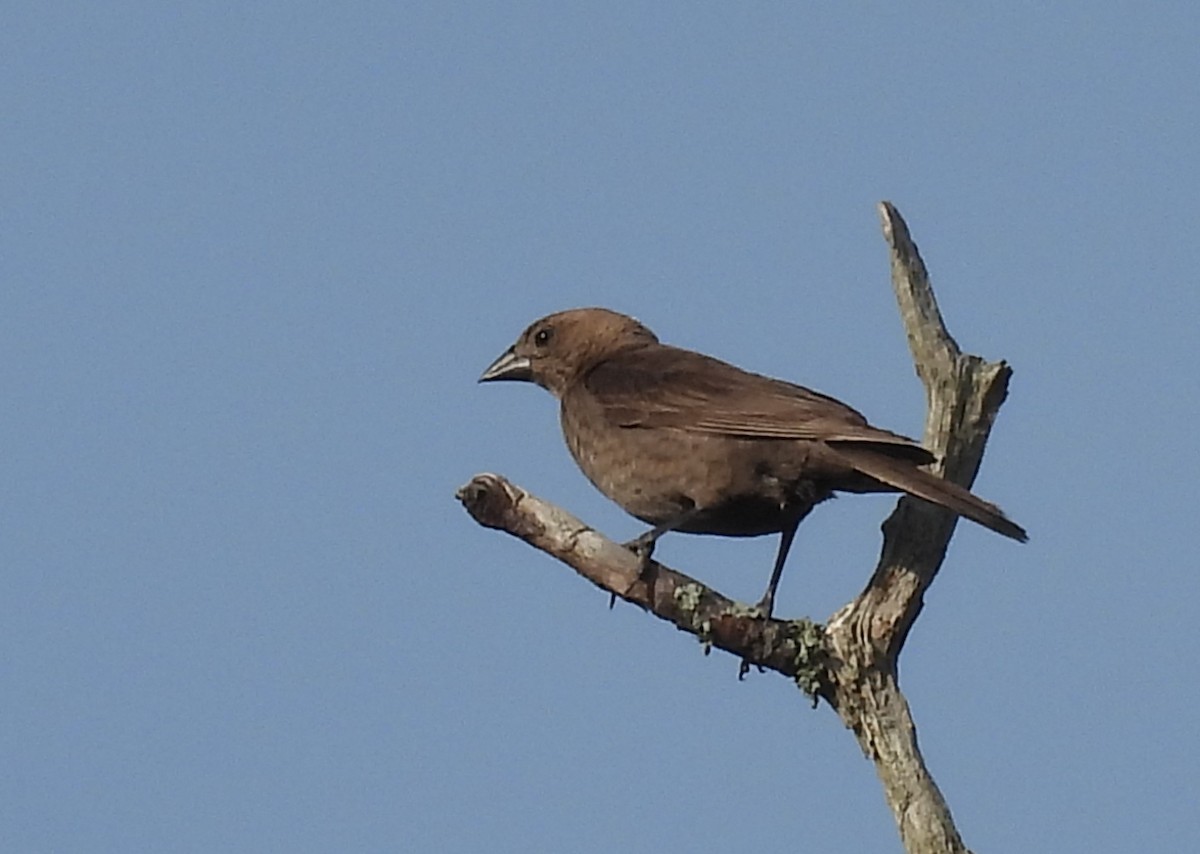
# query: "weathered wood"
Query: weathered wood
{"points": [[852, 661]]}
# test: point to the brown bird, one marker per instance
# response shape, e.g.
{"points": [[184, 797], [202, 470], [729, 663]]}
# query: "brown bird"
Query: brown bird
{"points": [[686, 442]]}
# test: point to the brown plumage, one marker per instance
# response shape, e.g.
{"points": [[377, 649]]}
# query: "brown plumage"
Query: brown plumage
{"points": [[686, 442]]}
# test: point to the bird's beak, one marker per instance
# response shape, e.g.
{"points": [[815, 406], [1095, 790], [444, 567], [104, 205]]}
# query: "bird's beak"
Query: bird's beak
{"points": [[509, 366]]}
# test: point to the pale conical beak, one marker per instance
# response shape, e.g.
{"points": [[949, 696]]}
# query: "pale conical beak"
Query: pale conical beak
{"points": [[509, 366]]}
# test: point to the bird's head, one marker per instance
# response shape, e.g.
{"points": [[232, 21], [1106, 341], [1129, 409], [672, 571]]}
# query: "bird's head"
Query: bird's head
{"points": [[561, 348]]}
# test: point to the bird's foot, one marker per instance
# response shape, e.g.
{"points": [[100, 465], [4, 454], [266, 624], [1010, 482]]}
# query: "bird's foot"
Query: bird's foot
{"points": [[643, 548], [766, 606], [744, 668]]}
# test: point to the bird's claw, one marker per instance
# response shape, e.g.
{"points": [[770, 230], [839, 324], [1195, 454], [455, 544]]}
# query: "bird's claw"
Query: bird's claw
{"points": [[765, 607], [643, 547], [744, 668]]}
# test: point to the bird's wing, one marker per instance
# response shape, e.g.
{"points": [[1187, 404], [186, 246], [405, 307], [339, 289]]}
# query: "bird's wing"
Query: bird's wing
{"points": [[661, 386]]}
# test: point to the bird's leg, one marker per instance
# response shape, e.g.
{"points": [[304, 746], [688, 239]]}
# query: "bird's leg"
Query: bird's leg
{"points": [[643, 546], [767, 604]]}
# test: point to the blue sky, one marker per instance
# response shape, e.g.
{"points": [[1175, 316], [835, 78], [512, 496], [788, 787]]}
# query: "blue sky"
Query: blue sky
{"points": [[255, 256]]}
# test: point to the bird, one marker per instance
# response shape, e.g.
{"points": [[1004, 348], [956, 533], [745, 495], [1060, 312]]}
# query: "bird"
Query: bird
{"points": [[686, 442]]}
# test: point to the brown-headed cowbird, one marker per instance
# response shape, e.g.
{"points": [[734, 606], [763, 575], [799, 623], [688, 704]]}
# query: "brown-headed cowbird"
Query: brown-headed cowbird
{"points": [[686, 442]]}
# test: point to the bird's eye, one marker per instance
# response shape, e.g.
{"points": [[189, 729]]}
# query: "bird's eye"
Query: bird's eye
{"points": [[542, 337]]}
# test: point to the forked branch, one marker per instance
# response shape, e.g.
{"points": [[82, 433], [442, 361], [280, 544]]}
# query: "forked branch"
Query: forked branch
{"points": [[851, 661]]}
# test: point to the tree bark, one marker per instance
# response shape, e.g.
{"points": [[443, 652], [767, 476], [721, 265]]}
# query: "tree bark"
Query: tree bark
{"points": [[851, 662]]}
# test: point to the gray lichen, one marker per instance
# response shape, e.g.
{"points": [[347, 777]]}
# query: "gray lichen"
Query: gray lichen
{"points": [[810, 660], [688, 598]]}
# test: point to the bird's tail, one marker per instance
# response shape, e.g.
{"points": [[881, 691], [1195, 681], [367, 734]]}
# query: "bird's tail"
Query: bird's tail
{"points": [[904, 476]]}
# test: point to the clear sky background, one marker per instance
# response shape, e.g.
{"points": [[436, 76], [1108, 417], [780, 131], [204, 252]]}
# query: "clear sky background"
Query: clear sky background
{"points": [[254, 257]]}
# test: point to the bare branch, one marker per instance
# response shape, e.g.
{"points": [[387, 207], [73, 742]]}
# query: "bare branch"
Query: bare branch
{"points": [[792, 648], [963, 394]]}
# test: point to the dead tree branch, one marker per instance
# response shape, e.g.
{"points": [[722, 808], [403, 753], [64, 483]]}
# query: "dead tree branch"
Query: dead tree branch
{"points": [[852, 661]]}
